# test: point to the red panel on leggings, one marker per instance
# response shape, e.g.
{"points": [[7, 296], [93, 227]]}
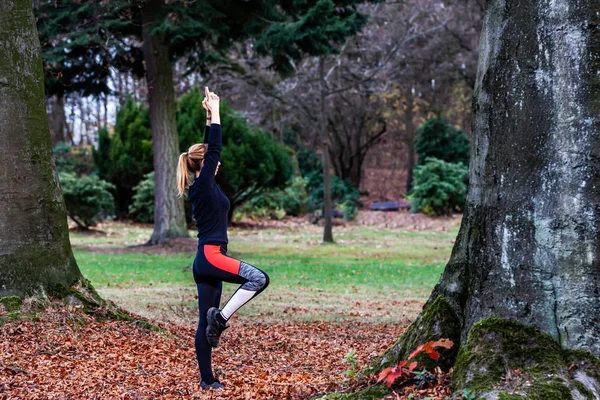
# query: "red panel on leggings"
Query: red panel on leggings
{"points": [[215, 257]]}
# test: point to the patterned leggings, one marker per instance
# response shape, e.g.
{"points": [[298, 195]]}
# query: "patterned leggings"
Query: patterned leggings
{"points": [[211, 268]]}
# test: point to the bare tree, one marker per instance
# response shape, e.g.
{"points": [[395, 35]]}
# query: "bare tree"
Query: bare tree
{"points": [[356, 122]]}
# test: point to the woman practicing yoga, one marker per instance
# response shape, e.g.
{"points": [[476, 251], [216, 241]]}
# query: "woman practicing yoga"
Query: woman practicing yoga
{"points": [[196, 173]]}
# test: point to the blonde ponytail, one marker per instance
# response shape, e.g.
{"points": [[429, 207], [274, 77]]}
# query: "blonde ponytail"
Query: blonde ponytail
{"points": [[183, 175], [189, 163]]}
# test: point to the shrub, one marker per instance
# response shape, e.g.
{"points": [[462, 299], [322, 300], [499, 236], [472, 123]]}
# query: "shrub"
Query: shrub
{"points": [[442, 141], [344, 195], [278, 203], [87, 198], [439, 187], [73, 159], [142, 207], [294, 197], [309, 163]]}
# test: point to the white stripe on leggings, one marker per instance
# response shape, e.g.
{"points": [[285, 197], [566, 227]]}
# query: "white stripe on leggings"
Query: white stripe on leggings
{"points": [[239, 298]]}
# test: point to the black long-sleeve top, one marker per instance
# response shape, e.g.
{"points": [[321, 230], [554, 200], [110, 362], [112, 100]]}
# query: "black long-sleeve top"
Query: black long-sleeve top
{"points": [[210, 206]]}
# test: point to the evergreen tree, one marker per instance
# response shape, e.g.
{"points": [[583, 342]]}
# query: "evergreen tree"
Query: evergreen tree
{"points": [[124, 158], [81, 41], [439, 140]]}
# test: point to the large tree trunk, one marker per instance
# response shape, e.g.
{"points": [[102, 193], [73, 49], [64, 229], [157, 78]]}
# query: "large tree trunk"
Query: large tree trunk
{"points": [[327, 218], [35, 252], [521, 289], [169, 214]]}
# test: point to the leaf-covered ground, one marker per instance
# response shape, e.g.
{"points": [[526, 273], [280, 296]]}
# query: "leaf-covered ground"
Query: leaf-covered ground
{"points": [[66, 354], [295, 352], [69, 355]]}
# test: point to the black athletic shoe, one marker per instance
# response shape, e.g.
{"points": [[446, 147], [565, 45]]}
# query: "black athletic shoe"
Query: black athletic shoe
{"points": [[213, 327], [215, 385]]}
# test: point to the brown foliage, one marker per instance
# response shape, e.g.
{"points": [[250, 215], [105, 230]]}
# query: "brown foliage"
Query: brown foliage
{"points": [[67, 354]]}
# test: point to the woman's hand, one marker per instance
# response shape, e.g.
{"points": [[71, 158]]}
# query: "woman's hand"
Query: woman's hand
{"points": [[212, 105], [205, 105]]}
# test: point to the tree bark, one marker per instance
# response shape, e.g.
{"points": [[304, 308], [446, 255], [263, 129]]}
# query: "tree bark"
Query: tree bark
{"points": [[35, 252], [521, 288], [57, 120], [105, 106], [169, 214], [327, 218], [410, 138], [83, 138]]}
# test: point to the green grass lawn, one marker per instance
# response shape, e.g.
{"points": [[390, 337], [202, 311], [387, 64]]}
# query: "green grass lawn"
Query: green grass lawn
{"points": [[369, 272]]}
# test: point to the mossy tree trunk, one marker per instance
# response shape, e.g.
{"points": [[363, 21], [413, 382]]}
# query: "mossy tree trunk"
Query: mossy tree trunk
{"points": [[169, 213], [522, 288], [35, 252]]}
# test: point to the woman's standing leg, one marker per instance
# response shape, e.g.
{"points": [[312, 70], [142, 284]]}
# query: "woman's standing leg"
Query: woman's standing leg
{"points": [[209, 295]]}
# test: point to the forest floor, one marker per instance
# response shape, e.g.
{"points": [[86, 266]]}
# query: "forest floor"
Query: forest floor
{"points": [[324, 302]]}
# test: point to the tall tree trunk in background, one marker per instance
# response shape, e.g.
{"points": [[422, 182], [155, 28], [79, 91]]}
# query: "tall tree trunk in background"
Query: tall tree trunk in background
{"points": [[72, 118], [98, 114], [410, 138], [328, 231], [82, 121], [120, 89], [135, 91], [57, 120], [169, 214], [355, 171], [521, 289], [69, 125], [105, 104], [35, 252]]}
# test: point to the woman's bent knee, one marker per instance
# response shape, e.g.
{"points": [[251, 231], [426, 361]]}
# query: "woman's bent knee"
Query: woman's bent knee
{"points": [[257, 279]]}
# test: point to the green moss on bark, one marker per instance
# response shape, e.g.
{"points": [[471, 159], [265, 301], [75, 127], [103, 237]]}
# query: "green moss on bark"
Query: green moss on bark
{"points": [[10, 316], [495, 348], [95, 305], [505, 396], [585, 392], [553, 390], [11, 303], [370, 393], [437, 320], [34, 269]]}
